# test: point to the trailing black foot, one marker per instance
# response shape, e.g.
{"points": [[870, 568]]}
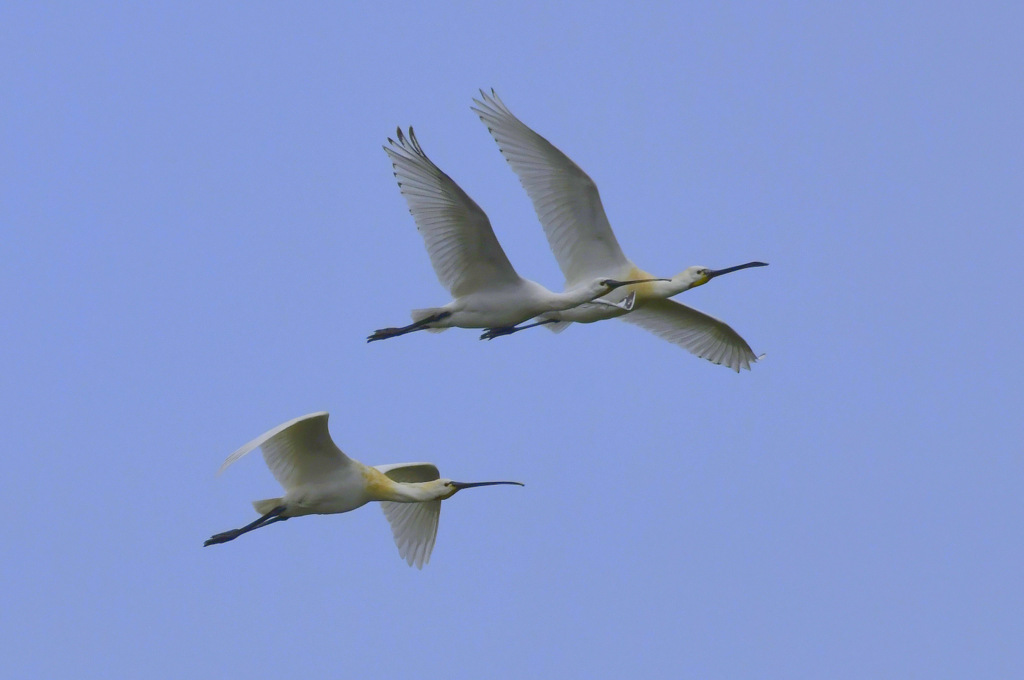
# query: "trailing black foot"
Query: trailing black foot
{"points": [[222, 537], [269, 518], [385, 333], [492, 333]]}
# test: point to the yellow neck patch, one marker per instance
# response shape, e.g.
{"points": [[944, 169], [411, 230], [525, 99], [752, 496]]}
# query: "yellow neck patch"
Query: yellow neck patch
{"points": [[644, 291]]}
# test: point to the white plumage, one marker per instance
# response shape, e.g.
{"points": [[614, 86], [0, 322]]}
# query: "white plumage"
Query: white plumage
{"points": [[318, 478], [569, 208], [466, 255]]}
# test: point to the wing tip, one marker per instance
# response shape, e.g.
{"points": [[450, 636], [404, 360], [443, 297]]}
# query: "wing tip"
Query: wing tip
{"points": [[263, 438]]}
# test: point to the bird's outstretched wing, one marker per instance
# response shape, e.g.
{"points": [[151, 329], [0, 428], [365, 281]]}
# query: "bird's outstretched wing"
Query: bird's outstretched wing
{"points": [[565, 198], [410, 472], [460, 241], [413, 525], [297, 452], [704, 335]]}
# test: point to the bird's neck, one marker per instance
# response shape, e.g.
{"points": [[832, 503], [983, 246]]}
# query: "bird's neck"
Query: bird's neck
{"points": [[666, 289], [413, 492], [574, 297], [382, 488], [651, 290]]}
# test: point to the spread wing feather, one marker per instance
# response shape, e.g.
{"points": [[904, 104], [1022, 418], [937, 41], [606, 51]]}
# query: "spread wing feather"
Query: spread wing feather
{"points": [[297, 452], [413, 525], [462, 246], [565, 198], [701, 334]]}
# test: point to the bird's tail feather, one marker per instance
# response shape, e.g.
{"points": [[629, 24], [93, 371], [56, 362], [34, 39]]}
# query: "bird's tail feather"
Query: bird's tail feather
{"points": [[421, 314], [267, 504]]}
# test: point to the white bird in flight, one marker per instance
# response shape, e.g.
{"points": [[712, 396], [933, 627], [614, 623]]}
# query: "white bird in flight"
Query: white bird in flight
{"points": [[319, 479], [567, 202], [468, 260]]}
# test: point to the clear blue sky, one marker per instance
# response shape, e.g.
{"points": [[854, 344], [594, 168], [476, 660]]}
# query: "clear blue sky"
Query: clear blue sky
{"points": [[199, 228]]}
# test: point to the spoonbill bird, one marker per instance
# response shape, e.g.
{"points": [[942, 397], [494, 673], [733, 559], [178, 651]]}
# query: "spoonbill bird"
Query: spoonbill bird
{"points": [[569, 207], [319, 479], [467, 257]]}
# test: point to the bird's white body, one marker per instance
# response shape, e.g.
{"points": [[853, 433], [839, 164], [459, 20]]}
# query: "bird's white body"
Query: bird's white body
{"points": [[466, 256], [319, 479], [508, 305], [351, 487], [569, 208]]}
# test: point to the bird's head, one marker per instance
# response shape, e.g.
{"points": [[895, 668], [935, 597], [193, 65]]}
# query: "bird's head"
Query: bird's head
{"points": [[446, 488], [691, 277]]}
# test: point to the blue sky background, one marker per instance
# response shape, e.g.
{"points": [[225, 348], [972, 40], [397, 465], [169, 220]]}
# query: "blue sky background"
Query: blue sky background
{"points": [[200, 228]]}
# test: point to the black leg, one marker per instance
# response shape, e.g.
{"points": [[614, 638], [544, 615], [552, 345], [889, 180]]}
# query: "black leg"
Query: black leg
{"points": [[385, 333], [269, 518], [492, 333]]}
